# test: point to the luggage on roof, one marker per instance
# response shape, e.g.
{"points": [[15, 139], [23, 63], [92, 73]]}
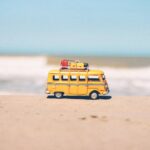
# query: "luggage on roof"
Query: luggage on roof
{"points": [[73, 64]]}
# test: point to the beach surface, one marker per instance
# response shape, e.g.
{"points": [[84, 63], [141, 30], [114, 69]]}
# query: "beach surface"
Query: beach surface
{"points": [[40, 123]]}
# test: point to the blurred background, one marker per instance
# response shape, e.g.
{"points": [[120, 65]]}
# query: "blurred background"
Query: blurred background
{"points": [[110, 35]]}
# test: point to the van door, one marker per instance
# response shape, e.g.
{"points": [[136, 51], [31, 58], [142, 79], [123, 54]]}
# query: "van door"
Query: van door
{"points": [[65, 83], [73, 85], [56, 81], [82, 84], [94, 82]]}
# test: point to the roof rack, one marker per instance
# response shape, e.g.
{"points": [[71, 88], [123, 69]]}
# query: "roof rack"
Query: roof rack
{"points": [[73, 70]]}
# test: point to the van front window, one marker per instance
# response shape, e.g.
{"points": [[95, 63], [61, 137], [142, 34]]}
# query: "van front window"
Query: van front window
{"points": [[103, 77]]}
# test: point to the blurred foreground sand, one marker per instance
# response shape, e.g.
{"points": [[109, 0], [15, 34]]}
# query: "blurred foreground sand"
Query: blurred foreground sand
{"points": [[36, 123]]}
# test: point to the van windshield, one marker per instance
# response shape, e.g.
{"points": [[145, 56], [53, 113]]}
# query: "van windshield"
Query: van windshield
{"points": [[103, 77]]}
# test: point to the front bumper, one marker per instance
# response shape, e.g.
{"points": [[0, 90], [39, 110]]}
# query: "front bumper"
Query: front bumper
{"points": [[105, 92]]}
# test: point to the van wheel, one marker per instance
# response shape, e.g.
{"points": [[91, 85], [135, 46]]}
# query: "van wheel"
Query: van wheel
{"points": [[94, 95], [58, 95]]}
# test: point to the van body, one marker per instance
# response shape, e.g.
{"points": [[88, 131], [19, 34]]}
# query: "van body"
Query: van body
{"points": [[77, 83]]}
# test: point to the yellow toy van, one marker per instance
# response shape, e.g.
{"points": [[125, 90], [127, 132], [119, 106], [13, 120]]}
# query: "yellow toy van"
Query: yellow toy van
{"points": [[90, 83]]}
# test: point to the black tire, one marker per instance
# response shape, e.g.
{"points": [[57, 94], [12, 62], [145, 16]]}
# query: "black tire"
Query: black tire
{"points": [[58, 95], [94, 95]]}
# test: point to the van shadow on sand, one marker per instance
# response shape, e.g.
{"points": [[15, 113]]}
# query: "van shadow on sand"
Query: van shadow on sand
{"points": [[81, 97]]}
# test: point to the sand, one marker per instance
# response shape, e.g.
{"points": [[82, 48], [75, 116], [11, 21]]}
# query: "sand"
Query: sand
{"points": [[38, 123]]}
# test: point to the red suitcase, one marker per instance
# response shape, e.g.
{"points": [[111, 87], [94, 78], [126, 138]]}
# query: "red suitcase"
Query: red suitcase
{"points": [[64, 64]]}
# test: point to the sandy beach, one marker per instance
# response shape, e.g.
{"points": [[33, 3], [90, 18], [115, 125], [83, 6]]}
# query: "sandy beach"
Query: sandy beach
{"points": [[36, 123]]}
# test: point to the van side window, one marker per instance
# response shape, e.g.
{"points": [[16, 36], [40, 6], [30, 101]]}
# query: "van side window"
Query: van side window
{"points": [[93, 78], [55, 77], [64, 77], [73, 78], [82, 78]]}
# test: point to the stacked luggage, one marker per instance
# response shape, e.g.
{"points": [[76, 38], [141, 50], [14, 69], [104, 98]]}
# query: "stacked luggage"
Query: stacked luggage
{"points": [[73, 65]]}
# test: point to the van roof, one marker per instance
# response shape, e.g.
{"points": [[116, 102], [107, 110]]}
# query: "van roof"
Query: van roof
{"points": [[78, 71]]}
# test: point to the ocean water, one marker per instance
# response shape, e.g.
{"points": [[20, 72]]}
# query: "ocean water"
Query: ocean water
{"points": [[28, 75]]}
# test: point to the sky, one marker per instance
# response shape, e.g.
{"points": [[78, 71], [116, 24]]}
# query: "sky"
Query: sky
{"points": [[78, 27]]}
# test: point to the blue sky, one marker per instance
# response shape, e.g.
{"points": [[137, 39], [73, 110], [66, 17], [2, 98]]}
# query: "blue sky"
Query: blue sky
{"points": [[79, 27]]}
